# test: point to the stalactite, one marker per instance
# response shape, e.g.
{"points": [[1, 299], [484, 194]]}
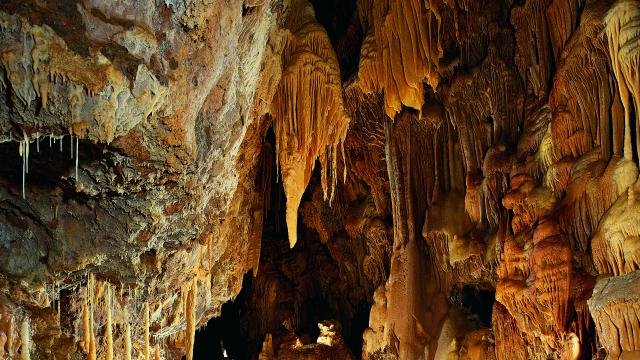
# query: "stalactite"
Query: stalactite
{"points": [[23, 151], [623, 33], [563, 17], [582, 97], [26, 152], [409, 50], [533, 57], [77, 156], [370, 75], [309, 117]]}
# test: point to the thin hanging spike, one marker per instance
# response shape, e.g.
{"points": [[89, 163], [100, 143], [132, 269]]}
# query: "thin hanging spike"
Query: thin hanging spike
{"points": [[26, 152], [37, 142], [50, 136], [21, 152], [61, 143], [71, 146], [77, 141]]}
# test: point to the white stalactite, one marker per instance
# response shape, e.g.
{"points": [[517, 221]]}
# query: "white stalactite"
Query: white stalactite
{"points": [[77, 156]]}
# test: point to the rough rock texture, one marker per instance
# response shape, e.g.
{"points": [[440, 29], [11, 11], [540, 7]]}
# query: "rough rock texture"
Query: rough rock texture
{"points": [[141, 124], [475, 194]]}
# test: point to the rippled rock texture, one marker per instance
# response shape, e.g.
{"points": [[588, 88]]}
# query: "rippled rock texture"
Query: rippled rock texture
{"points": [[377, 179]]}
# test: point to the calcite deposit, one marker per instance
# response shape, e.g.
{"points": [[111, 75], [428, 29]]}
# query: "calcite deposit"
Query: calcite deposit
{"points": [[320, 179]]}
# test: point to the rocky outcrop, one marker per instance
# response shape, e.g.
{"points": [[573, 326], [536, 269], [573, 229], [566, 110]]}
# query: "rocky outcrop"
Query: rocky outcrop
{"points": [[138, 125]]}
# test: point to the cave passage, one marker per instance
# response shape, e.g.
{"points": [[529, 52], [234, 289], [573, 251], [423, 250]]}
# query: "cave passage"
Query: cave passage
{"points": [[476, 303], [294, 290], [222, 337]]}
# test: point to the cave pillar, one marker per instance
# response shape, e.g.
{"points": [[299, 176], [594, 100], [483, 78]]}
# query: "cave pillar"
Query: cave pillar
{"points": [[413, 308]]}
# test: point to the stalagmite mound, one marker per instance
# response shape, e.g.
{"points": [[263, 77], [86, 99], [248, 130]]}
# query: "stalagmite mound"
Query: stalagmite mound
{"points": [[320, 179]]}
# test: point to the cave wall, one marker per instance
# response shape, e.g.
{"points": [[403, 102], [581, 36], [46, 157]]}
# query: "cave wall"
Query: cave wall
{"points": [[389, 160]]}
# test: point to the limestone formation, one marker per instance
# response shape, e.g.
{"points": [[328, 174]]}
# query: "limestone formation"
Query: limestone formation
{"points": [[320, 179]]}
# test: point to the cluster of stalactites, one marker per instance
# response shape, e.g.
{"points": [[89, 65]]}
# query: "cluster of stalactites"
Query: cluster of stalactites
{"points": [[409, 48], [622, 27], [25, 143], [309, 116]]}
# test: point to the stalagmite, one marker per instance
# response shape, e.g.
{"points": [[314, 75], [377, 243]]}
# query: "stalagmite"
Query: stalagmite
{"points": [[109, 324], [190, 313], [309, 116], [26, 341], [127, 334], [615, 308], [86, 332], [92, 337], [157, 352], [147, 344]]}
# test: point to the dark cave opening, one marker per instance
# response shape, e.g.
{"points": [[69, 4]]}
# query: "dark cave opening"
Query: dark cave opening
{"points": [[222, 336], [476, 302], [50, 164], [294, 289]]}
